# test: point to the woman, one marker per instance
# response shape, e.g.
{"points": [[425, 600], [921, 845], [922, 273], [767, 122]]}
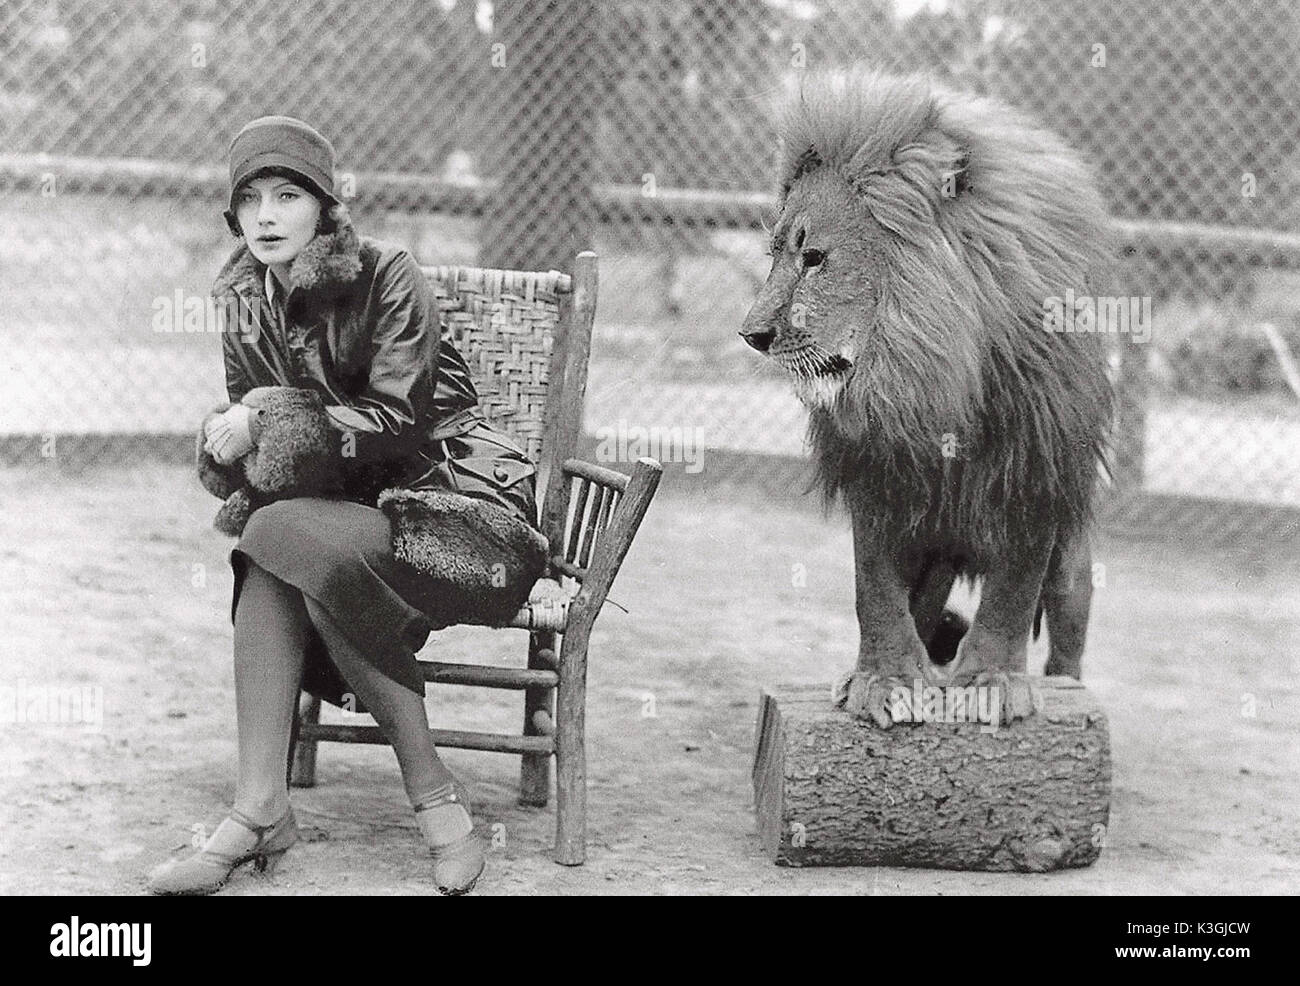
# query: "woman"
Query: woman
{"points": [[320, 600]]}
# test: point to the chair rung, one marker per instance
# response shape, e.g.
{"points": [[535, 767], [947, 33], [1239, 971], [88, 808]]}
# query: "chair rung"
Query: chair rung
{"points": [[456, 738], [485, 676], [568, 568]]}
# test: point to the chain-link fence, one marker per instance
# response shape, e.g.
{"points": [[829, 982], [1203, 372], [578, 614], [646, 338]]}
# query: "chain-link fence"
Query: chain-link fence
{"points": [[516, 133]]}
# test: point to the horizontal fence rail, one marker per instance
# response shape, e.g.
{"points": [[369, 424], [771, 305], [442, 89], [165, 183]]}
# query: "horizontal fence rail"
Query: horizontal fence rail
{"points": [[683, 207]]}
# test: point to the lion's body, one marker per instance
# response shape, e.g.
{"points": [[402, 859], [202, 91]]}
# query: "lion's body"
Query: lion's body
{"points": [[921, 234], [1027, 410]]}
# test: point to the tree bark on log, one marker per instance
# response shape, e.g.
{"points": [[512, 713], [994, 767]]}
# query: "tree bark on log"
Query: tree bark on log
{"points": [[830, 790]]}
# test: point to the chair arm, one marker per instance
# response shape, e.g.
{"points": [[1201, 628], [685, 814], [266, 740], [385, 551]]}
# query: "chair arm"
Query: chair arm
{"points": [[615, 541]]}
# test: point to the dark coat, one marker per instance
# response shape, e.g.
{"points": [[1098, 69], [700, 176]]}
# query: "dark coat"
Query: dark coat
{"points": [[362, 330], [361, 397]]}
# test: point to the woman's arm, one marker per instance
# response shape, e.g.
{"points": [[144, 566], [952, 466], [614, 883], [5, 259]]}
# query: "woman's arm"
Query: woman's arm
{"points": [[251, 355], [238, 382], [385, 420]]}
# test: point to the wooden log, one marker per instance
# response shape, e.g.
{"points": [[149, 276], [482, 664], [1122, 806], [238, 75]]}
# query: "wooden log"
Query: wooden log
{"points": [[830, 790]]}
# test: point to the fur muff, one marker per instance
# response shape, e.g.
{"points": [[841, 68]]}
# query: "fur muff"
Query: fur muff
{"points": [[475, 560], [479, 559], [234, 513], [292, 456], [294, 452]]}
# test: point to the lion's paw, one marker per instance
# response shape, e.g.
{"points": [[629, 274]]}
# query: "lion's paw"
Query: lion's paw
{"points": [[1016, 697], [869, 696]]}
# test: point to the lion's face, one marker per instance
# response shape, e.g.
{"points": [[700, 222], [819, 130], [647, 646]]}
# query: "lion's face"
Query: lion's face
{"points": [[813, 313]]}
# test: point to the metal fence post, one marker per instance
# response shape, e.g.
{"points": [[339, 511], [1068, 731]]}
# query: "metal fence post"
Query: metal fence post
{"points": [[545, 114]]}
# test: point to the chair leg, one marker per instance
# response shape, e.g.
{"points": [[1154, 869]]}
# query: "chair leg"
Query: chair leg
{"points": [[535, 768], [295, 727], [571, 753], [302, 753]]}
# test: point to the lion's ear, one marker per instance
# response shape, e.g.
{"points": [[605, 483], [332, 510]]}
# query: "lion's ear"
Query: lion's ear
{"points": [[936, 160], [956, 182], [808, 160]]}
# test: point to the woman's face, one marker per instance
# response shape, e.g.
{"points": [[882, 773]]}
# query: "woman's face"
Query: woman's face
{"points": [[278, 218]]}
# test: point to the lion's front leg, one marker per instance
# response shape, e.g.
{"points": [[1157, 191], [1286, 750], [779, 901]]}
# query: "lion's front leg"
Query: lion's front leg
{"points": [[995, 651], [891, 655]]}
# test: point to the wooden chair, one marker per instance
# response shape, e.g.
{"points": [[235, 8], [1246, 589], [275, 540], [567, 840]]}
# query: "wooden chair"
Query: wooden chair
{"points": [[526, 336]]}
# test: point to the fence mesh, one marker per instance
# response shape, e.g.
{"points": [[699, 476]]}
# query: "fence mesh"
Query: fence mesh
{"points": [[516, 133]]}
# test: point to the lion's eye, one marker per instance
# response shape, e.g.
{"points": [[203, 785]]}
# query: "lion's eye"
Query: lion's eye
{"points": [[813, 258]]}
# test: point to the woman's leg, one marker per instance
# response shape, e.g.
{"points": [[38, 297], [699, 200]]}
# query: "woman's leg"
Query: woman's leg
{"points": [[400, 714], [271, 627], [398, 710]]}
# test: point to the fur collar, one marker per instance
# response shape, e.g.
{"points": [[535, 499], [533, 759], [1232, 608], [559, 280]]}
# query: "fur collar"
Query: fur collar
{"points": [[326, 265]]}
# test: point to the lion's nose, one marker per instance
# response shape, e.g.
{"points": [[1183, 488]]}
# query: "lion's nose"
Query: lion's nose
{"points": [[760, 339]]}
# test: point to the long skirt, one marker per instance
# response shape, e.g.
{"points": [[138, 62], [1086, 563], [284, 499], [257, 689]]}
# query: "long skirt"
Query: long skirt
{"points": [[340, 554]]}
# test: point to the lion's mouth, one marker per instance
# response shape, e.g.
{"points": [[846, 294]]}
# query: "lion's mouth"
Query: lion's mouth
{"points": [[833, 366], [819, 376], [815, 364]]}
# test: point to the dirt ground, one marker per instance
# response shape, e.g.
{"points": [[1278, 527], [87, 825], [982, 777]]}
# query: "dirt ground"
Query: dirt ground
{"points": [[115, 579]]}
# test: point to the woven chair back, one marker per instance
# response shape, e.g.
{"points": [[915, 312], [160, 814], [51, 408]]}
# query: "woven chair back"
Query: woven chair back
{"points": [[504, 322]]}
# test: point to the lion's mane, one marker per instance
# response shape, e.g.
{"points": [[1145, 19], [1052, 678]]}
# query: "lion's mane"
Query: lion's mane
{"points": [[986, 214]]}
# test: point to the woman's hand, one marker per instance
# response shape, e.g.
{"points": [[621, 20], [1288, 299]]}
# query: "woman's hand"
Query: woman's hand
{"points": [[229, 434]]}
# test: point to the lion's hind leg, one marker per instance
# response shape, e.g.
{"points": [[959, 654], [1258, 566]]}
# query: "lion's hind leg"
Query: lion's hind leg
{"points": [[1067, 602], [939, 628]]}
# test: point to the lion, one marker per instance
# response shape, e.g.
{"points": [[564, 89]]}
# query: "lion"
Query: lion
{"points": [[920, 235]]}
